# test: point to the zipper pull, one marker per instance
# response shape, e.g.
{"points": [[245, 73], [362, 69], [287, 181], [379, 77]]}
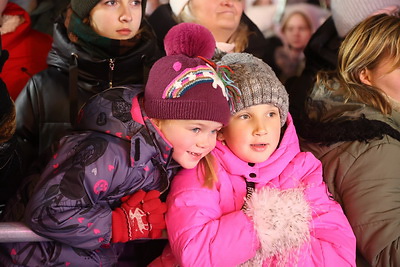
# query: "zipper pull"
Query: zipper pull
{"points": [[110, 75]]}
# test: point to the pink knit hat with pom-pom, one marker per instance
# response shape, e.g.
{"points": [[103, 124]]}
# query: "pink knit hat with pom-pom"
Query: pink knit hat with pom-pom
{"points": [[183, 85]]}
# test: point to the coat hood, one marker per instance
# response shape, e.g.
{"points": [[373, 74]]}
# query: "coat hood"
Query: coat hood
{"points": [[110, 112], [331, 119], [23, 29]]}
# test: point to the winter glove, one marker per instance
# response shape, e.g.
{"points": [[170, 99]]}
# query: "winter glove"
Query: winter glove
{"points": [[141, 215]]}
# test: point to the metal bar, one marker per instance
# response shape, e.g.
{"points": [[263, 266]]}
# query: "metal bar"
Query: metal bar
{"points": [[18, 232]]}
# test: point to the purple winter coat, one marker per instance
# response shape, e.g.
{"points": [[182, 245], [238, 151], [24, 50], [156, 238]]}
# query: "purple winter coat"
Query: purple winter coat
{"points": [[110, 156]]}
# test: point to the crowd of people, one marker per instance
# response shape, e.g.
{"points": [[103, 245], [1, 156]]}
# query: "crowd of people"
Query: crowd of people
{"points": [[201, 132]]}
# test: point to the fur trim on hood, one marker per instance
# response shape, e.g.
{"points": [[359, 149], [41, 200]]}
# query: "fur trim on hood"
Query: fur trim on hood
{"points": [[362, 129]]}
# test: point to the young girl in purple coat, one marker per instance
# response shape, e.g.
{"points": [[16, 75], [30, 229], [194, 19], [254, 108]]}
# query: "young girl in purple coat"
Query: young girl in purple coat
{"points": [[101, 188], [267, 204]]}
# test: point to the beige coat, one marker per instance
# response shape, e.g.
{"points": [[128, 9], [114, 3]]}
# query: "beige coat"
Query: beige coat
{"points": [[362, 169]]}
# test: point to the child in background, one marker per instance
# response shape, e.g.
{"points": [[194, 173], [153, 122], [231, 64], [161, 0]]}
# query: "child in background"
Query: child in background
{"points": [[97, 44], [91, 198], [269, 205]]}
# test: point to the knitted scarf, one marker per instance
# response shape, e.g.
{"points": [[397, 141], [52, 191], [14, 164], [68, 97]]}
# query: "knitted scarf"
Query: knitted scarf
{"points": [[95, 45]]}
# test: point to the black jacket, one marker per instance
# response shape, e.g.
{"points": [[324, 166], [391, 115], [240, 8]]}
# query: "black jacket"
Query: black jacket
{"points": [[10, 158], [321, 53], [162, 20], [43, 107]]}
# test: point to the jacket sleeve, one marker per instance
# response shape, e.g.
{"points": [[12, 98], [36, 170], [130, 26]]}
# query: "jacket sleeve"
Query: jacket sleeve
{"points": [[27, 108], [72, 202], [200, 234], [332, 240], [369, 193], [37, 125]]}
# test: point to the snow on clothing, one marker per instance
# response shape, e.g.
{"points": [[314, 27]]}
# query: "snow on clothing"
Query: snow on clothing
{"points": [[359, 148], [110, 157], [207, 227], [27, 47], [43, 106]]}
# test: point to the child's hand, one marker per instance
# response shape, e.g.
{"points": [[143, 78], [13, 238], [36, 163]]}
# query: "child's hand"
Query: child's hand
{"points": [[141, 215]]}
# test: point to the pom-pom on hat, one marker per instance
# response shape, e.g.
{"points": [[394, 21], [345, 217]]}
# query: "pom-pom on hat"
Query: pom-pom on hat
{"points": [[256, 82], [183, 85], [348, 13]]}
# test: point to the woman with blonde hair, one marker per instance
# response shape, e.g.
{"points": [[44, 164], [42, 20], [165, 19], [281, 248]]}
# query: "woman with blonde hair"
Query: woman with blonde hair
{"points": [[232, 29], [353, 126]]}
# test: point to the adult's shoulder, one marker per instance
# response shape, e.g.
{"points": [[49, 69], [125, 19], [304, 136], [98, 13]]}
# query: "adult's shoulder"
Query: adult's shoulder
{"points": [[162, 20]]}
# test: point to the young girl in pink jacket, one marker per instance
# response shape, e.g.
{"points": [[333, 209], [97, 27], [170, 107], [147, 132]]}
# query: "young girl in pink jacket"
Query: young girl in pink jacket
{"points": [[266, 204]]}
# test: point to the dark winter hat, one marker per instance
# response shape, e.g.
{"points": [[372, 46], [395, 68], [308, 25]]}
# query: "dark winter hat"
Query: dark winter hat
{"points": [[256, 82], [183, 85], [83, 7]]}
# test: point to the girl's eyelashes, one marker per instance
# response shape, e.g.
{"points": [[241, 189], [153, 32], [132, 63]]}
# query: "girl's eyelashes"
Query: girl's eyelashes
{"points": [[113, 2], [216, 131], [110, 3], [244, 116], [196, 130], [272, 114]]}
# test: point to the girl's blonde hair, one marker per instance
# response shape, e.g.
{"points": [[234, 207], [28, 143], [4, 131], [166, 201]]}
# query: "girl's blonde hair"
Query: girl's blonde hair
{"points": [[240, 37], [375, 39], [208, 170]]}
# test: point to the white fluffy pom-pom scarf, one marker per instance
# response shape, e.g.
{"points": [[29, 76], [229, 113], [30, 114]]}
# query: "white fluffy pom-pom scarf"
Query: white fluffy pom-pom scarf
{"points": [[282, 220]]}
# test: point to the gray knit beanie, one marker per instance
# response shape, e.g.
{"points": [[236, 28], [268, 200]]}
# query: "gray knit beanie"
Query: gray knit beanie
{"points": [[256, 82], [83, 7], [348, 13]]}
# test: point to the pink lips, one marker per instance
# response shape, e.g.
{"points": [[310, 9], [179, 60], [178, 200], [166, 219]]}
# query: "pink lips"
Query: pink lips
{"points": [[259, 147], [124, 31], [195, 156]]}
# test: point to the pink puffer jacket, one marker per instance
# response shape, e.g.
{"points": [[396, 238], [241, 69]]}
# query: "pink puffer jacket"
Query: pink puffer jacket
{"points": [[291, 219]]}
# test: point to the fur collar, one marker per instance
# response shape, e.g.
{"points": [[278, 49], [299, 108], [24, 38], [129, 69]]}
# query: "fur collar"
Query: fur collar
{"points": [[362, 129]]}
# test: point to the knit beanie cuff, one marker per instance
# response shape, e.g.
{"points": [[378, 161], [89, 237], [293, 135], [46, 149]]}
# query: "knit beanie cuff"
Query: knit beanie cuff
{"points": [[187, 110]]}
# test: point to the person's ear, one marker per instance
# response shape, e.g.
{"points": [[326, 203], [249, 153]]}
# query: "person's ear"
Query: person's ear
{"points": [[365, 76]]}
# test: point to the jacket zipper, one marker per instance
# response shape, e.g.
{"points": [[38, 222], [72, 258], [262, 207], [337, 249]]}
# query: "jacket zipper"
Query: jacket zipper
{"points": [[111, 73]]}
